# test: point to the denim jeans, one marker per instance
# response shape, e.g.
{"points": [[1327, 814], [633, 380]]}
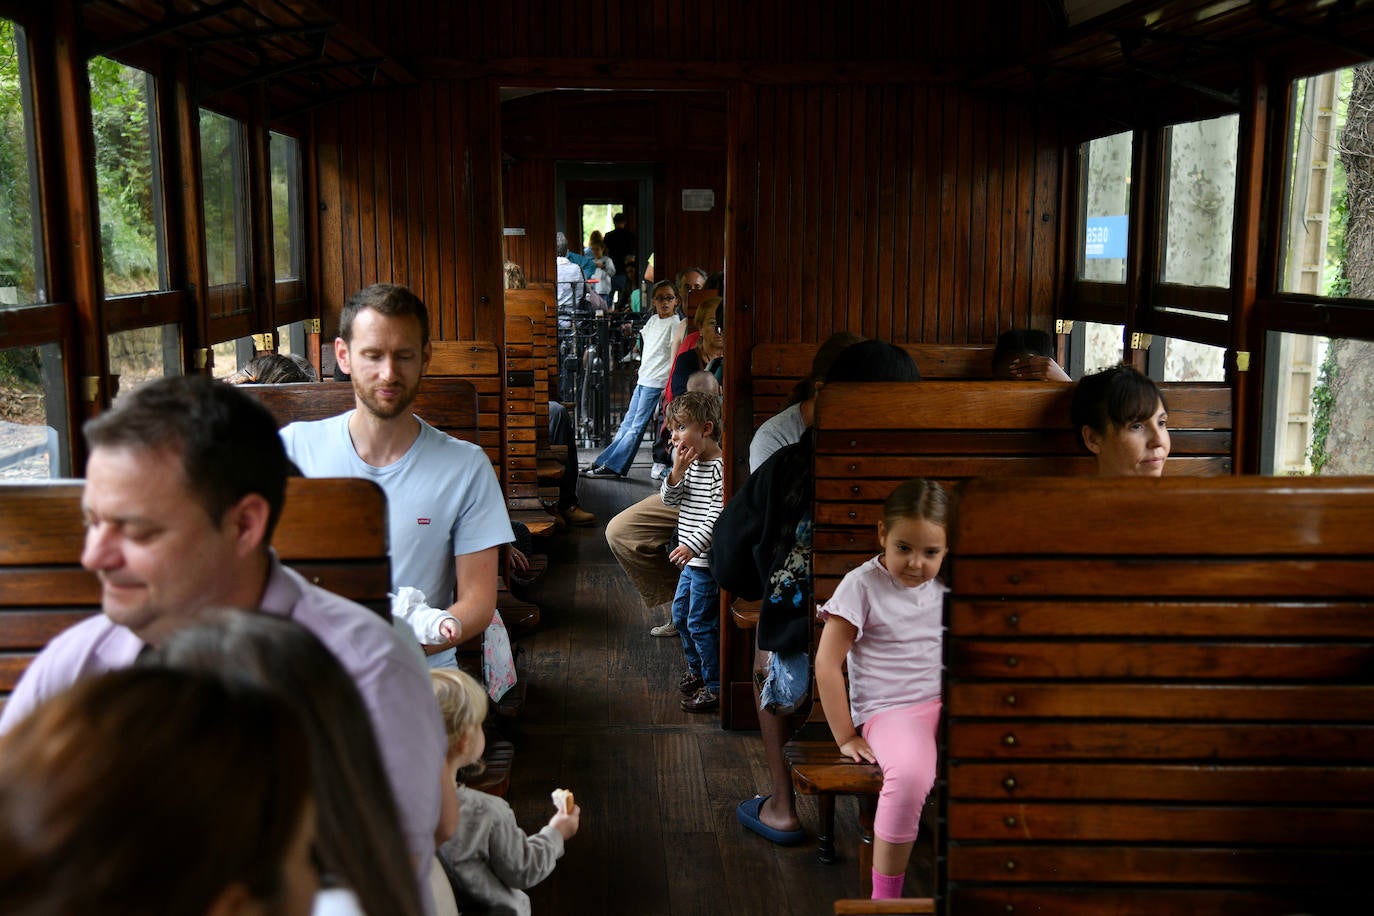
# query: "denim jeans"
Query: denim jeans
{"points": [[620, 454], [696, 614]]}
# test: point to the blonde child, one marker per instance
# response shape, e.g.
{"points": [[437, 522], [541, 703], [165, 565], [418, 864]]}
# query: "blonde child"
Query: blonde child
{"points": [[885, 617], [696, 486], [488, 857]]}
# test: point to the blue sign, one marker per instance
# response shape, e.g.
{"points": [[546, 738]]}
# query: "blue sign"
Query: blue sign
{"points": [[1106, 237]]}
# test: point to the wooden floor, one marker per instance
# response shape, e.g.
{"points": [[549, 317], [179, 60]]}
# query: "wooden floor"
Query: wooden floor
{"points": [[658, 787]]}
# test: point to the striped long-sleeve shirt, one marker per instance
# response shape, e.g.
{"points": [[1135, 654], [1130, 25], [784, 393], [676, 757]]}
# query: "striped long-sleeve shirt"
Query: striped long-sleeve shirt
{"points": [[699, 496]]}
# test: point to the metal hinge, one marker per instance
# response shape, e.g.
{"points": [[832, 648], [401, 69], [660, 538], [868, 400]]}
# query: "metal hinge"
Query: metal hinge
{"points": [[264, 341], [1140, 341], [90, 387], [202, 359], [312, 325], [1242, 361], [1063, 327]]}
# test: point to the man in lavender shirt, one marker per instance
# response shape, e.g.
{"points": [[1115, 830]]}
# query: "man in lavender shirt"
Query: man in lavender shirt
{"points": [[185, 483]]}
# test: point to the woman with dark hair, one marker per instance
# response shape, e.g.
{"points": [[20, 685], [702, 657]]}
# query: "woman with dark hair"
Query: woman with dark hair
{"points": [[1123, 420], [156, 791], [361, 846]]}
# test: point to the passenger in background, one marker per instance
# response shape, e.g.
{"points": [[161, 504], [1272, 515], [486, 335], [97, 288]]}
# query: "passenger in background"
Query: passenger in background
{"points": [[696, 487], [703, 348], [489, 859], [786, 426], [447, 517], [184, 485], [1123, 420], [156, 791], [622, 247], [274, 369], [657, 333], [362, 853], [1026, 354]]}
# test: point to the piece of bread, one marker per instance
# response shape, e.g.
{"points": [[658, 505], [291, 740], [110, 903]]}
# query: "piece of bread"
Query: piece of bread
{"points": [[563, 800]]}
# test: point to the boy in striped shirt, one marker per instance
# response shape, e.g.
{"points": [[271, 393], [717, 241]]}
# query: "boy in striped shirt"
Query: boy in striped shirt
{"points": [[696, 486]]}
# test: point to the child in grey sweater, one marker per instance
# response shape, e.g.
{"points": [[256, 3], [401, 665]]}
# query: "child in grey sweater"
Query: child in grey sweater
{"points": [[489, 859]]}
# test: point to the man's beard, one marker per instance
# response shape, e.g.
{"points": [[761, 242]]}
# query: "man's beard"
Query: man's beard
{"points": [[386, 410]]}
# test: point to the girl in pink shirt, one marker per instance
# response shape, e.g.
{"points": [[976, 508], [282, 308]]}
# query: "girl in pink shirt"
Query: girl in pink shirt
{"points": [[885, 618]]}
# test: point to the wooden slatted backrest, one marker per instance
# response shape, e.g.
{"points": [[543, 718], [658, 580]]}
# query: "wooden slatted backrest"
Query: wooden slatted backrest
{"points": [[776, 368], [332, 531], [477, 362], [1162, 692], [447, 404], [540, 307], [872, 436], [520, 403]]}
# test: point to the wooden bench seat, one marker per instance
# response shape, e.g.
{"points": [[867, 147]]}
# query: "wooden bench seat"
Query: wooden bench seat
{"points": [[44, 590], [1167, 706]]}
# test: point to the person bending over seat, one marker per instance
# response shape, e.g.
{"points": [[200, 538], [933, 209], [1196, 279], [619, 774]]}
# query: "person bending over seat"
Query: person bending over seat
{"points": [[1026, 354]]}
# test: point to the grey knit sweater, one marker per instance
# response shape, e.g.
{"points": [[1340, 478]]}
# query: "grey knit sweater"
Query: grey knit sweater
{"points": [[491, 861]]}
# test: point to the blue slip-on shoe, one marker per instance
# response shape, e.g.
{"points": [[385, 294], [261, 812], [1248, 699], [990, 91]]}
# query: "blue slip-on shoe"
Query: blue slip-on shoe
{"points": [[748, 815]]}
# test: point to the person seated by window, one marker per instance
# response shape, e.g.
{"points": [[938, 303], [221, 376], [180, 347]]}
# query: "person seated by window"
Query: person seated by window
{"points": [[274, 369], [1026, 354]]}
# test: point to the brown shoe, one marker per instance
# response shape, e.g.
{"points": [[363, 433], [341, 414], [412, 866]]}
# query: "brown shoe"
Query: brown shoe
{"points": [[578, 517], [690, 683], [701, 701]]}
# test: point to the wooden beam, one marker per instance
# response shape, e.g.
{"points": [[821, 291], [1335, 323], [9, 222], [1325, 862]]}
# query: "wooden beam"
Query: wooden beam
{"points": [[1247, 337]]}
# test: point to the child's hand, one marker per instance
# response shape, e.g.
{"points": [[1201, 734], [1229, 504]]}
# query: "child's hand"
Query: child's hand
{"points": [[681, 555], [567, 824], [857, 749], [682, 460], [450, 629]]}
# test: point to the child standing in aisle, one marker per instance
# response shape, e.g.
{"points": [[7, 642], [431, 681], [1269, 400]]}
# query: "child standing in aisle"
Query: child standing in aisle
{"points": [[885, 617], [696, 485], [489, 859]]}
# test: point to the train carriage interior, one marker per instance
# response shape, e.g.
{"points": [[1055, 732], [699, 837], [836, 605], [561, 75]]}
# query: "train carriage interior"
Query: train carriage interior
{"points": [[1156, 698]]}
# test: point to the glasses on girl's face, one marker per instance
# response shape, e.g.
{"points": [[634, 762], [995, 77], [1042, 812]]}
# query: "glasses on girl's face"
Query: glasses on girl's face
{"points": [[665, 298]]}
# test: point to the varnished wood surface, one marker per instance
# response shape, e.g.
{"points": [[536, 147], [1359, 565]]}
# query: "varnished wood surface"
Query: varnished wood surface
{"points": [[658, 787]]}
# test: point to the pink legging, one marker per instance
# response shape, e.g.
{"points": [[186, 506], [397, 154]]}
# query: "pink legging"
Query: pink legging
{"points": [[903, 739]]}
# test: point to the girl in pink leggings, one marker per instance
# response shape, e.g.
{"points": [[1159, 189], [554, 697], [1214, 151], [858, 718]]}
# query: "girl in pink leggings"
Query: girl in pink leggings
{"points": [[885, 617]]}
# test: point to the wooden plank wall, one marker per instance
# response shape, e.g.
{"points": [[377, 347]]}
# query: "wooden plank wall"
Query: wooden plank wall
{"points": [[405, 197], [910, 213]]}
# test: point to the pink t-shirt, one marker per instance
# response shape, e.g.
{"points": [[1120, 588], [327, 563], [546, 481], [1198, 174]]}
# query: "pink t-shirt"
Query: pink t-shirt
{"points": [[895, 659]]}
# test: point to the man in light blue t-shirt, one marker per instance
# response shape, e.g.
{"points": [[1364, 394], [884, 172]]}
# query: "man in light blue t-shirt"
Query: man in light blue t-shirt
{"points": [[448, 519]]}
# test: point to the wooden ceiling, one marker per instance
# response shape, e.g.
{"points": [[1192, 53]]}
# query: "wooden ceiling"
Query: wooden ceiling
{"points": [[1154, 58], [1140, 59], [302, 55]]}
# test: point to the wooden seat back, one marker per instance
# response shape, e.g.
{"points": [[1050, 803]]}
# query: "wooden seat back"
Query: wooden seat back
{"points": [[1160, 693], [447, 404], [776, 368], [872, 436], [332, 531]]}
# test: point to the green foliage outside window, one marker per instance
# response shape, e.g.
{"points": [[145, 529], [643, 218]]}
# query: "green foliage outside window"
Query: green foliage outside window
{"points": [[17, 280], [125, 174]]}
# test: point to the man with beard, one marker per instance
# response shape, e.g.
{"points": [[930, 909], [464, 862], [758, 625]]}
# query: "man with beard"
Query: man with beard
{"points": [[447, 517]]}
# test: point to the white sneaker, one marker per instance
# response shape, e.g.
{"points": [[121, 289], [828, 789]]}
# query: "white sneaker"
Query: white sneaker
{"points": [[659, 471], [663, 630]]}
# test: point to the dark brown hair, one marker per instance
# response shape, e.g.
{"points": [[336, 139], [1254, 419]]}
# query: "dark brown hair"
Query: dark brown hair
{"points": [[149, 791], [389, 299], [361, 843]]}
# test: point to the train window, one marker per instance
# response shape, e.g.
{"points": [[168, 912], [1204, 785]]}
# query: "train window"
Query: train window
{"points": [[1316, 405], [32, 436], [21, 270], [1105, 204], [1199, 188], [1316, 199], [142, 354], [123, 122], [287, 206], [1173, 359], [224, 182], [1094, 346], [230, 355]]}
